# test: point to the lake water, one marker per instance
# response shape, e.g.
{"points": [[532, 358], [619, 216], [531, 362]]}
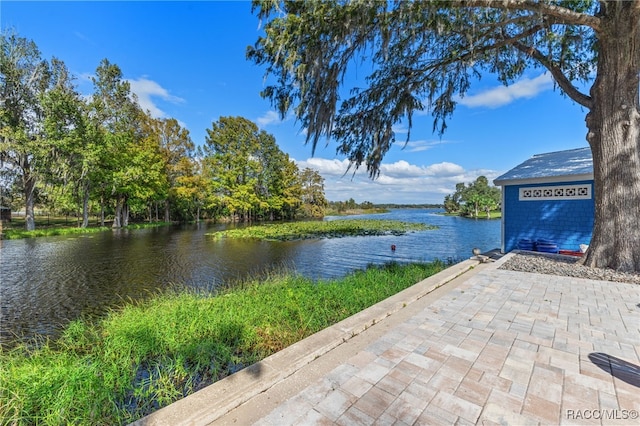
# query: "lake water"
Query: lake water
{"points": [[46, 282]]}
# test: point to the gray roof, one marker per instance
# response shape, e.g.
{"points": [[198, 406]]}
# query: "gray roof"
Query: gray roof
{"points": [[560, 166]]}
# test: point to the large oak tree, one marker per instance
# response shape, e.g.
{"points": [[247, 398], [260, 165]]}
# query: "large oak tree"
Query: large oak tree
{"points": [[25, 79], [425, 54]]}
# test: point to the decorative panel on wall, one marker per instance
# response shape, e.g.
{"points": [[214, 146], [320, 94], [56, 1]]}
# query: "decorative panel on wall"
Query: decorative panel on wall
{"points": [[561, 192]]}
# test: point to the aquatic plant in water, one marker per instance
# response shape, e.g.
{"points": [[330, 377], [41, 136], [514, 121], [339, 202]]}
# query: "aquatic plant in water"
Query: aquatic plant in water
{"points": [[323, 229]]}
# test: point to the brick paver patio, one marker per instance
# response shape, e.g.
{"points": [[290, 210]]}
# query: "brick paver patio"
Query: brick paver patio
{"points": [[502, 348]]}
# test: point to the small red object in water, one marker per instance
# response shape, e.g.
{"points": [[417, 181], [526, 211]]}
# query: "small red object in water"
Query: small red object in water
{"points": [[393, 247]]}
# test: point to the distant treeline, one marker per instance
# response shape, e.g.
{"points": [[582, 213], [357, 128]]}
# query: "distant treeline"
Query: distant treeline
{"points": [[351, 204], [409, 206]]}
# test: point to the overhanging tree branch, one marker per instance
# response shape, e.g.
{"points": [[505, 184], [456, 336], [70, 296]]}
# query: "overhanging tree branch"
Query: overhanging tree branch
{"points": [[562, 14], [557, 74], [487, 48]]}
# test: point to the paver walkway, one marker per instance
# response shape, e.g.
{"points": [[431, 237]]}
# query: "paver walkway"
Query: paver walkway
{"points": [[502, 347]]}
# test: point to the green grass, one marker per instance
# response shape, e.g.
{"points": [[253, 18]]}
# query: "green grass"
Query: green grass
{"points": [[147, 355], [322, 229], [14, 234], [493, 214], [351, 212]]}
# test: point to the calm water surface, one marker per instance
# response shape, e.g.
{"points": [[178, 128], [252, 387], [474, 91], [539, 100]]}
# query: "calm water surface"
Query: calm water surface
{"points": [[46, 282]]}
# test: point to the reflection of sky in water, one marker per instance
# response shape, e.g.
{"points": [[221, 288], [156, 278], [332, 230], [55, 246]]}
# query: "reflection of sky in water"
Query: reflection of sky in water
{"points": [[47, 281]]}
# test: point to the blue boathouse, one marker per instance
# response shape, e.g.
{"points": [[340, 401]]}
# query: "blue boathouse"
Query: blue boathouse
{"points": [[549, 197]]}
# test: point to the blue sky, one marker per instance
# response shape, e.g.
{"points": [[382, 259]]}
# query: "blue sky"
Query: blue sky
{"points": [[186, 60]]}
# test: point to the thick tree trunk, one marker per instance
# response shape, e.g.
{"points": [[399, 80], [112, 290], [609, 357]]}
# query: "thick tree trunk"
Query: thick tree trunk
{"points": [[101, 211], [117, 218], [614, 137], [125, 213], [167, 217], [29, 184], [85, 205]]}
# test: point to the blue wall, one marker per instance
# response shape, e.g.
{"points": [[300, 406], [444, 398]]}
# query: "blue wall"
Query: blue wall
{"points": [[568, 223]]}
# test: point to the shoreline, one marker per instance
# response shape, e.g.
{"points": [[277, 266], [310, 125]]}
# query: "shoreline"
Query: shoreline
{"points": [[158, 351]]}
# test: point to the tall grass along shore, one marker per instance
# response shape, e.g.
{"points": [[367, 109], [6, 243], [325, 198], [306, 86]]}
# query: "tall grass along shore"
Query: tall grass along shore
{"points": [[322, 229], [14, 234], [147, 355]]}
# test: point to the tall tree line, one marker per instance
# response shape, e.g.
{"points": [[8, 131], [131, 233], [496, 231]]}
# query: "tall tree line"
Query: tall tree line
{"points": [[103, 154], [250, 178]]}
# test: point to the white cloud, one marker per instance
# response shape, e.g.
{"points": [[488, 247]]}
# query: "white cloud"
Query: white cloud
{"points": [[401, 169], [325, 166], [401, 130], [145, 90], [421, 145], [503, 95], [400, 182], [444, 169], [273, 117], [268, 118]]}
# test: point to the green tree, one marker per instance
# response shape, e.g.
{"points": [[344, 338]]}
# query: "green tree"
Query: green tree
{"points": [[271, 180], [489, 203], [249, 175], [450, 206], [120, 166], [452, 201], [480, 196], [190, 188], [175, 146], [366, 205], [425, 54], [230, 148], [68, 136], [291, 189], [24, 79], [314, 202], [277, 188], [142, 179], [471, 198]]}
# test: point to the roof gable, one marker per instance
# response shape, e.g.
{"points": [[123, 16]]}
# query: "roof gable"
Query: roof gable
{"points": [[561, 166]]}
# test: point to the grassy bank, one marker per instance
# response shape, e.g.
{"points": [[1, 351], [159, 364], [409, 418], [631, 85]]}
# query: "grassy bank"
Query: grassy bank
{"points": [[493, 214], [14, 234], [353, 212], [322, 229], [148, 355]]}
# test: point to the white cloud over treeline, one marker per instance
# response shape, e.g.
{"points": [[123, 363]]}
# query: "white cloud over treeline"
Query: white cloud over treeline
{"points": [[400, 182]]}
